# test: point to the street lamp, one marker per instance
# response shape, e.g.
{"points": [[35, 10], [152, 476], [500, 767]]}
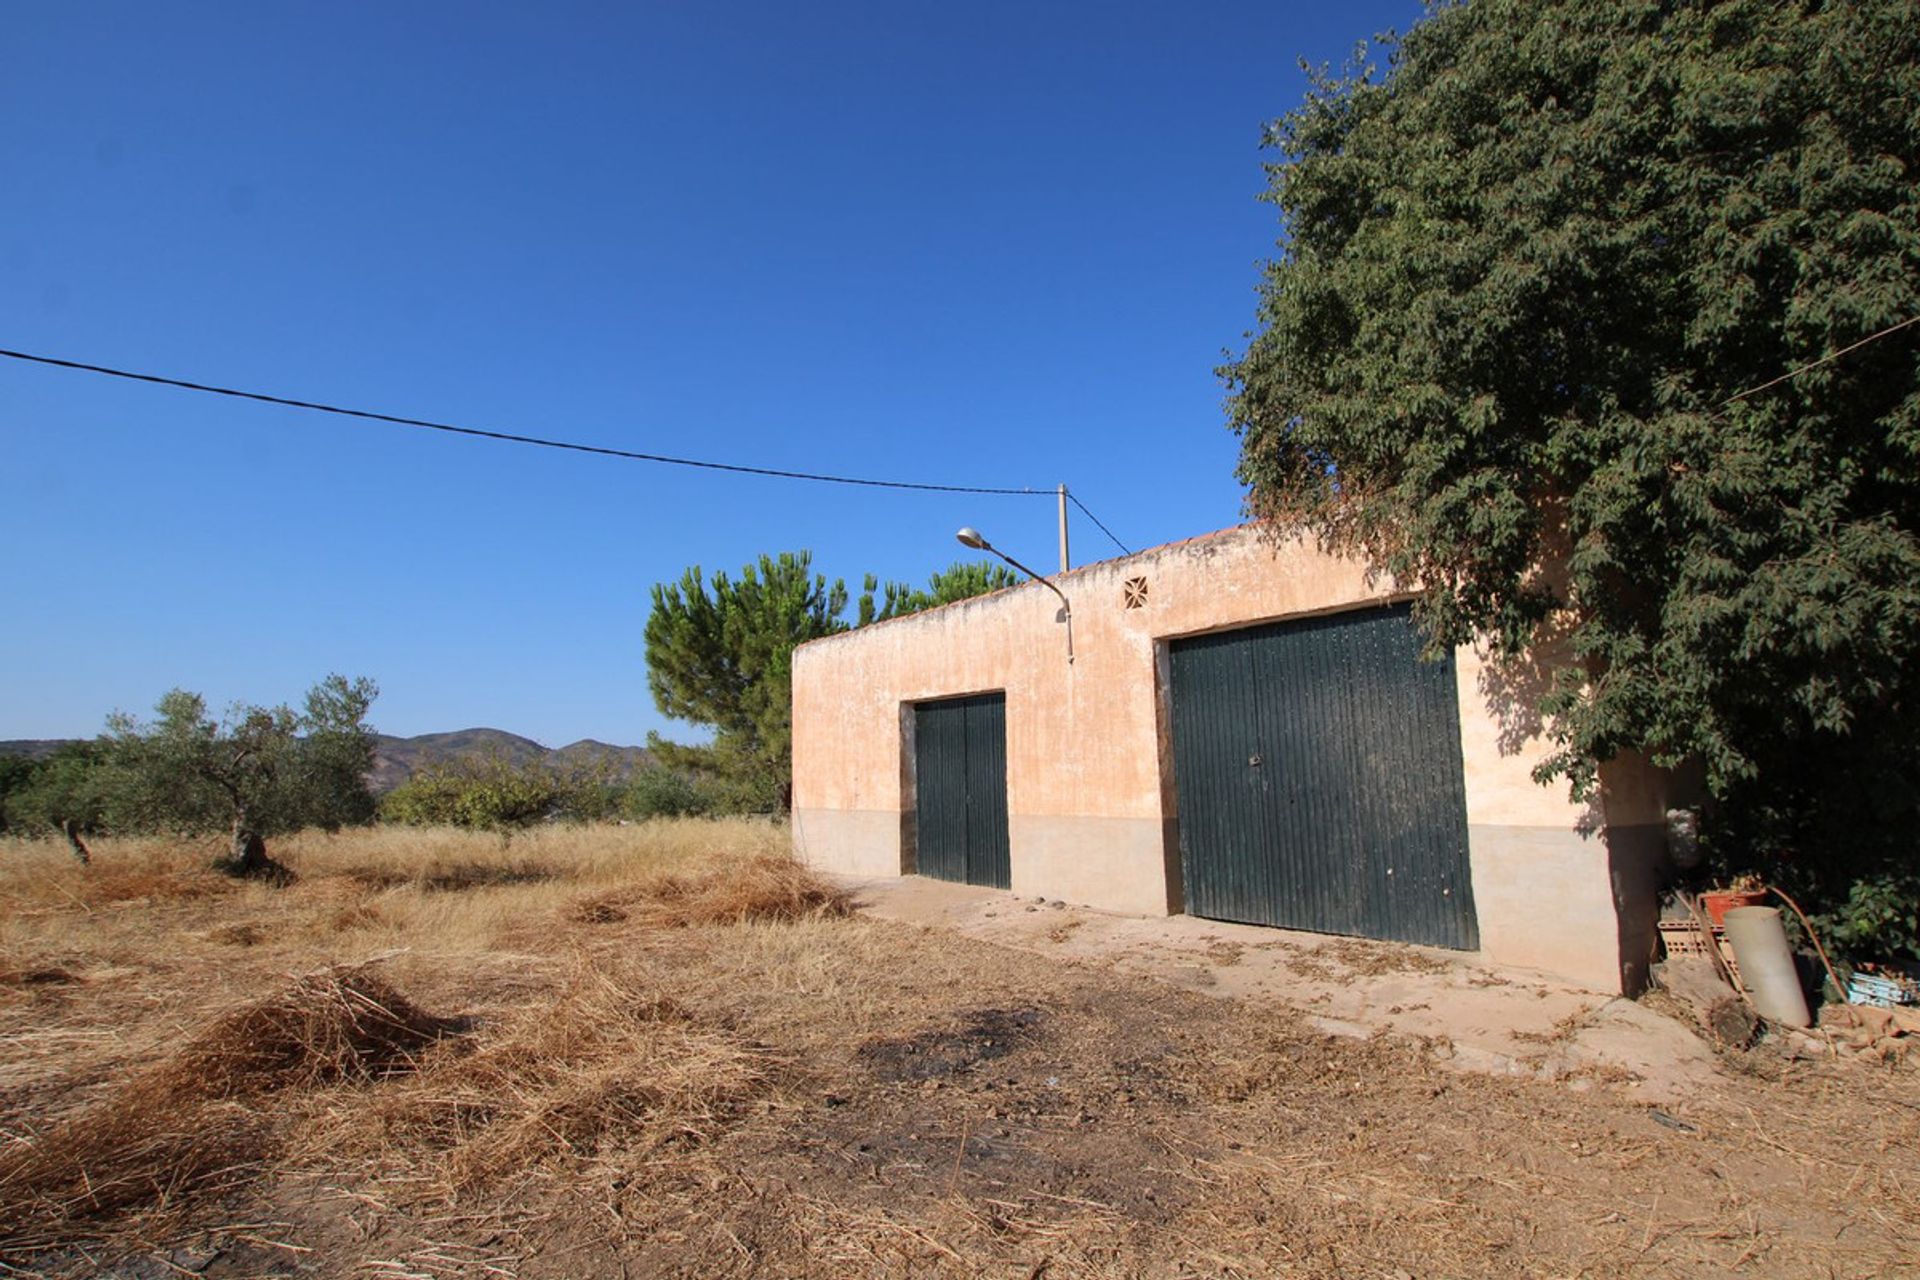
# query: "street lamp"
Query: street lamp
{"points": [[971, 537]]}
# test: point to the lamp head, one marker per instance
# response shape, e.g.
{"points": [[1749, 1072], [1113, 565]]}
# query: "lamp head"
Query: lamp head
{"points": [[970, 536]]}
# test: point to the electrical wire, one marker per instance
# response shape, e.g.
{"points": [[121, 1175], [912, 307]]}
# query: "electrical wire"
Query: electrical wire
{"points": [[1075, 499], [1829, 358], [513, 438], [734, 467]]}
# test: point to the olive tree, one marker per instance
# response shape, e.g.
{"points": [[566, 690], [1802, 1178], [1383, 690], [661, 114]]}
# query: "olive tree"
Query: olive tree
{"points": [[257, 772], [71, 792]]}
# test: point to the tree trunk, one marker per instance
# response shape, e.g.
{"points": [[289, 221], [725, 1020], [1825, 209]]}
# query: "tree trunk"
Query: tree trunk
{"points": [[71, 830], [247, 858], [249, 854]]}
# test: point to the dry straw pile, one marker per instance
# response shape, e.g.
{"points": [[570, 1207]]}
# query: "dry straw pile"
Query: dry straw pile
{"points": [[768, 887], [194, 1121], [608, 1070]]}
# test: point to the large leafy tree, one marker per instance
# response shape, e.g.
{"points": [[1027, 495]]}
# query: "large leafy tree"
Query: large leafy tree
{"points": [[260, 771], [1541, 277], [720, 654]]}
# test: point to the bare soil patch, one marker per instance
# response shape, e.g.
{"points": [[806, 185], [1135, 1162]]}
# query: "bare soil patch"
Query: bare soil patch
{"points": [[982, 1036]]}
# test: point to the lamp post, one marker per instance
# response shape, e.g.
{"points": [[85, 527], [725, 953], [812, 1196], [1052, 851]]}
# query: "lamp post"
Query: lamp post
{"points": [[971, 537]]}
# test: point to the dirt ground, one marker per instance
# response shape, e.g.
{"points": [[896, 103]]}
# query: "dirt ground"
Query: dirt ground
{"points": [[618, 1094], [1500, 1021]]}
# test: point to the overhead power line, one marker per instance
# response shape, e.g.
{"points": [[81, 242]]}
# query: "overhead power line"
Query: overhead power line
{"points": [[1075, 498], [514, 438], [1829, 358], [545, 443]]}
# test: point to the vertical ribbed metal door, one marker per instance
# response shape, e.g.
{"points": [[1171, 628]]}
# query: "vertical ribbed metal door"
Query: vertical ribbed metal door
{"points": [[1319, 778], [940, 789], [960, 790]]}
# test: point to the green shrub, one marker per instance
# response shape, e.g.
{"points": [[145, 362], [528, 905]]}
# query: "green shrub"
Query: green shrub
{"points": [[667, 793], [1879, 920], [483, 793]]}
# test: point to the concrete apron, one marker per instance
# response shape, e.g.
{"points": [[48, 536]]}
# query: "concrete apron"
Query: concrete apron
{"points": [[1498, 1021]]}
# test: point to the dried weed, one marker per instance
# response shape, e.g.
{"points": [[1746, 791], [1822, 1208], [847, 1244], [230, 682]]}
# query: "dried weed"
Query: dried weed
{"points": [[619, 1102], [603, 856], [40, 875], [766, 887], [452, 877], [237, 934], [607, 1067], [193, 1123]]}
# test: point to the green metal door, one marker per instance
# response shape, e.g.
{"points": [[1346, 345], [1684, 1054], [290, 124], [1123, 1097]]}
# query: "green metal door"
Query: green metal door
{"points": [[960, 790], [1319, 777]]}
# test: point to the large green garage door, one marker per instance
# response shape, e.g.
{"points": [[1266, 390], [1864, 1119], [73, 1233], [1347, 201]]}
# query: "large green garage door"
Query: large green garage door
{"points": [[960, 790], [1318, 769]]}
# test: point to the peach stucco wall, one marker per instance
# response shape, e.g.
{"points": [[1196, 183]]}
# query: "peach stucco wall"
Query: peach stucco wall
{"points": [[1089, 813]]}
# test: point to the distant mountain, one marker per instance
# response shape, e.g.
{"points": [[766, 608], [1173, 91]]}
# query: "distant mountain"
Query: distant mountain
{"points": [[33, 748], [396, 759]]}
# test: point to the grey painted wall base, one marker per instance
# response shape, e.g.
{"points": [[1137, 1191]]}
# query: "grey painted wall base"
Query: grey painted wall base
{"points": [[854, 842], [1116, 864], [1580, 906]]}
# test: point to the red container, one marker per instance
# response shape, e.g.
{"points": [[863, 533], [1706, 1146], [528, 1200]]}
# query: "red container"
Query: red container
{"points": [[1717, 902]]}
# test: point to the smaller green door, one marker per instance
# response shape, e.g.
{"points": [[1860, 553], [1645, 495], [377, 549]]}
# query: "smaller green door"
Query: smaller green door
{"points": [[960, 790]]}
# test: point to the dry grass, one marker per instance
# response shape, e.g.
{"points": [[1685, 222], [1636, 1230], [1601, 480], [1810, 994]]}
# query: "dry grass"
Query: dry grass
{"points": [[47, 976], [766, 887], [676, 1055], [340, 1025], [609, 1069], [41, 875], [438, 893], [126, 1162], [191, 1122], [441, 857], [154, 1122]]}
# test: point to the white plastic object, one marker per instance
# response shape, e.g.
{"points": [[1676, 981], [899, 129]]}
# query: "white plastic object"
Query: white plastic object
{"points": [[1766, 965]]}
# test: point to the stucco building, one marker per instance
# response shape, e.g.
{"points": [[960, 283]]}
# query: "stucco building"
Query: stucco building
{"points": [[1245, 732]]}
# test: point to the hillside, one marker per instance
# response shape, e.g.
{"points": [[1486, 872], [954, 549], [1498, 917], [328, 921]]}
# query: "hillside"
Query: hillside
{"points": [[33, 748], [396, 759]]}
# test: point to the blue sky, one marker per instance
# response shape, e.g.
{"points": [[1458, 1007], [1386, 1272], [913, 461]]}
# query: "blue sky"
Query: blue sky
{"points": [[995, 244]]}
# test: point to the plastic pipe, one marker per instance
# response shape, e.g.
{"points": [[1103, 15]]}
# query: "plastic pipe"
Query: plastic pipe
{"points": [[1766, 965]]}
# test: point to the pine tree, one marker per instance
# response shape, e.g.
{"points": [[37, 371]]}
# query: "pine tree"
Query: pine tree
{"points": [[720, 654]]}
